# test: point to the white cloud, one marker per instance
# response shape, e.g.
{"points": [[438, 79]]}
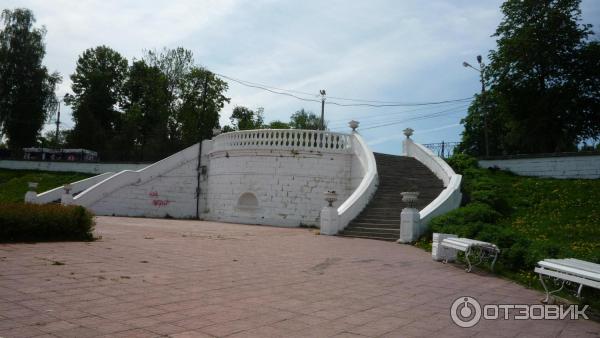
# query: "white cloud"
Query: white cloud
{"points": [[382, 49]]}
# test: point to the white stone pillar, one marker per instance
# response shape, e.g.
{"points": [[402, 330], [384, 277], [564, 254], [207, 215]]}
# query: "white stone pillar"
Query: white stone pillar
{"points": [[409, 217], [67, 197], [329, 221], [407, 143], [409, 225], [329, 217], [31, 194]]}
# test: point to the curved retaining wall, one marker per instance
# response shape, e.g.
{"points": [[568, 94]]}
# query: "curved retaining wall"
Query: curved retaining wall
{"points": [[275, 177], [450, 198]]}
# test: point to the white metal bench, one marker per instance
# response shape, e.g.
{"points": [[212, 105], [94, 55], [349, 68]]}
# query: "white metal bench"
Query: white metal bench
{"points": [[478, 249], [569, 270]]}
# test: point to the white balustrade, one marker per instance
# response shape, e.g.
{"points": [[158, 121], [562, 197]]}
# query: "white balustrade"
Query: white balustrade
{"points": [[291, 139], [450, 198]]}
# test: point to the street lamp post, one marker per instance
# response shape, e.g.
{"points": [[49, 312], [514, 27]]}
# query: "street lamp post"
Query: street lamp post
{"points": [[323, 93], [480, 70]]}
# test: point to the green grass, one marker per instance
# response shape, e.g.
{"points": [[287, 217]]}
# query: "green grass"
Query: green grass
{"points": [[13, 183], [529, 218]]}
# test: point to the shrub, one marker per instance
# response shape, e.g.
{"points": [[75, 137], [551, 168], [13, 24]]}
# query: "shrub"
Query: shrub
{"points": [[462, 162], [465, 221], [49, 222]]}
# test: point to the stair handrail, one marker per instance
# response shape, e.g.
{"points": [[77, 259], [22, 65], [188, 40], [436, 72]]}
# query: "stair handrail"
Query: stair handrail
{"points": [[361, 196], [450, 198], [128, 177], [76, 187]]}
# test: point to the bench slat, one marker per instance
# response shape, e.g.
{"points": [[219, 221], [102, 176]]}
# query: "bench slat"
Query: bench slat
{"points": [[464, 244], [570, 270], [589, 266], [569, 277], [575, 264]]}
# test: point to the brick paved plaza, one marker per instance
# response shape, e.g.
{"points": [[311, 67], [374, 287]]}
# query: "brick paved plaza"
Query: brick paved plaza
{"points": [[152, 277]]}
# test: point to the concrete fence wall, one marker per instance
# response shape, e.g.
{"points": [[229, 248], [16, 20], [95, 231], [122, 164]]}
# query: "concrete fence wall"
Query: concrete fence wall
{"points": [[586, 167], [78, 167]]}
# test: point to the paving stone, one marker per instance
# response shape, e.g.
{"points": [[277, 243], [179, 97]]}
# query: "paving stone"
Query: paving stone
{"points": [[245, 281]]}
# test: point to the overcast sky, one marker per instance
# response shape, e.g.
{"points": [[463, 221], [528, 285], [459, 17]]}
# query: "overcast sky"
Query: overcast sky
{"points": [[401, 51]]}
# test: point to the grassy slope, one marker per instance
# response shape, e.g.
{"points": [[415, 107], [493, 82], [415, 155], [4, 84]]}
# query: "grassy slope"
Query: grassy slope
{"points": [[530, 218], [13, 183], [560, 213]]}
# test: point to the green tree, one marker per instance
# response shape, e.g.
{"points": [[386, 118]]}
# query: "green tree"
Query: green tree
{"points": [[192, 116], [98, 90], [243, 118], [26, 88], [49, 138], [146, 111], [303, 119], [473, 136], [278, 125], [543, 78], [203, 97]]}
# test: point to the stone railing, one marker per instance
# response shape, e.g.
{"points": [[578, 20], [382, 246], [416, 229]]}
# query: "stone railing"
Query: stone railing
{"points": [[451, 196], [76, 187], [284, 139], [358, 200], [128, 177], [364, 168]]}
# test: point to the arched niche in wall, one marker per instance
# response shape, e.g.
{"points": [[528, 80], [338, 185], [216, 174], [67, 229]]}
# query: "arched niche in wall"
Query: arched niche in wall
{"points": [[247, 202]]}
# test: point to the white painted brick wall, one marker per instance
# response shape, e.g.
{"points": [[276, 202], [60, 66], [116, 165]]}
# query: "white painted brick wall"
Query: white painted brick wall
{"points": [[587, 167], [289, 185], [173, 194]]}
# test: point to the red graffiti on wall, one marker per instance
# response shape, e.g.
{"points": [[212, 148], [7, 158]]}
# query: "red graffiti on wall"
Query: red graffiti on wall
{"points": [[160, 203]]}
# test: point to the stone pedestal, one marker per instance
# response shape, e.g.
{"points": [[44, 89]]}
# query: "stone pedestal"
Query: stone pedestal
{"points": [[440, 253], [329, 221], [409, 225], [31, 194], [66, 199]]}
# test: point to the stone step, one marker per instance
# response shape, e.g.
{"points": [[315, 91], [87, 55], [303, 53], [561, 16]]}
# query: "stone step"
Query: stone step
{"points": [[382, 237], [377, 220], [374, 229], [379, 224], [381, 218]]}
